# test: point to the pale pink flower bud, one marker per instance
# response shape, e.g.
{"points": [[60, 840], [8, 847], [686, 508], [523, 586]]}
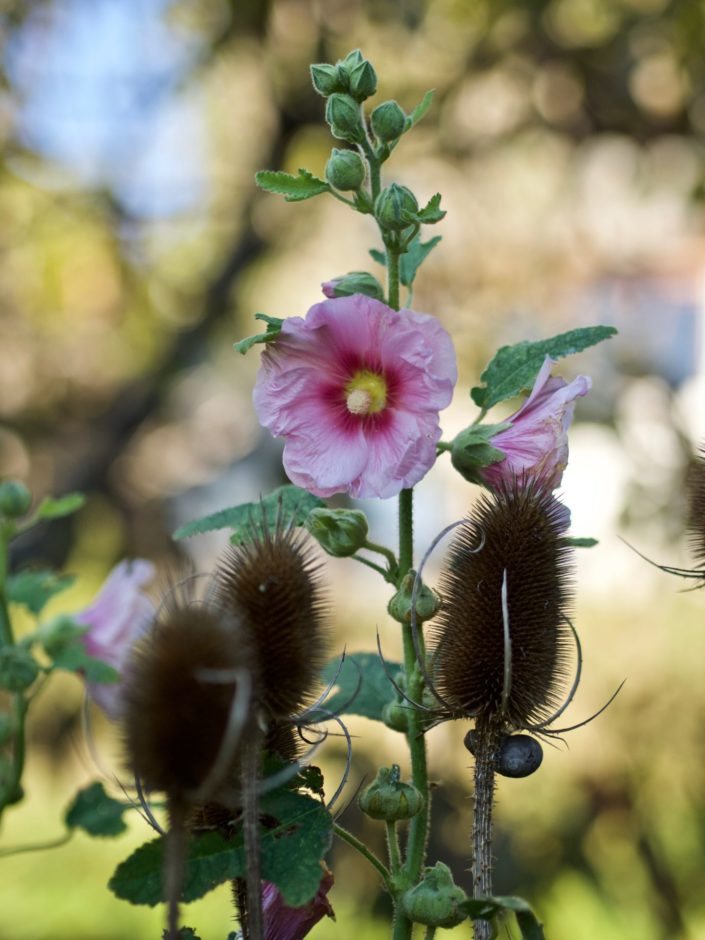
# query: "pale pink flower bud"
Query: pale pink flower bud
{"points": [[536, 444], [294, 923]]}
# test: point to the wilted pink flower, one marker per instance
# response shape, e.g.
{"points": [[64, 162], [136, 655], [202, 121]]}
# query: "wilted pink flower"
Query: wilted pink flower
{"points": [[293, 923], [116, 619], [536, 444], [355, 389]]}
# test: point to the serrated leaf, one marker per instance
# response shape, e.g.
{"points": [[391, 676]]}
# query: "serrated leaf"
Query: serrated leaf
{"points": [[413, 258], [293, 188], [432, 211], [374, 693], [514, 368], [420, 109], [291, 853], [488, 908], [274, 328], [96, 813], [295, 503], [581, 542], [74, 658], [32, 589], [50, 508]]}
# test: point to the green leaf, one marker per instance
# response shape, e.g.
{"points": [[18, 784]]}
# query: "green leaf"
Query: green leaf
{"points": [[378, 256], [184, 933], [432, 211], [57, 508], [514, 368], [293, 188], [32, 589], [419, 111], [274, 328], [488, 908], [291, 852], [413, 258], [581, 542], [295, 504], [375, 691], [74, 658], [96, 813]]}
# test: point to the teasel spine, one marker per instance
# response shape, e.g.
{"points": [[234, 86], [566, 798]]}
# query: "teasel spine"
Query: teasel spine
{"points": [[696, 508]]}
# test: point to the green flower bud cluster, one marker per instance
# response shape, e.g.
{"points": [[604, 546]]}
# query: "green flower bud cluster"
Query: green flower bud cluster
{"points": [[389, 799], [353, 75]]}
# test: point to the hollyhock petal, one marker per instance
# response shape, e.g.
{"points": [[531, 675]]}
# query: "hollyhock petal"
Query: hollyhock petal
{"points": [[536, 444], [355, 390], [116, 619], [294, 923]]}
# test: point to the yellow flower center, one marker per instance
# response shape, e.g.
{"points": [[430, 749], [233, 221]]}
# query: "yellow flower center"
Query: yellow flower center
{"points": [[366, 393]]}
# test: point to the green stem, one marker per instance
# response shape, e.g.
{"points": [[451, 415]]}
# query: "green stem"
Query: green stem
{"points": [[372, 159], [6, 634], [364, 851], [371, 564], [393, 847], [393, 280], [382, 550], [348, 202], [430, 933], [38, 846]]}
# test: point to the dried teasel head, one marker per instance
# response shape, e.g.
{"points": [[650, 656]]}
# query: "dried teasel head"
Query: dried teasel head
{"points": [[187, 697], [271, 585], [696, 508], [502, 641]]}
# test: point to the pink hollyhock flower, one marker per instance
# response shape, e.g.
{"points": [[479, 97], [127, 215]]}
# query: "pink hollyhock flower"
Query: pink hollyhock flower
{"points": [[536, 444], [116, 619], [355, 389], [293, 923]]}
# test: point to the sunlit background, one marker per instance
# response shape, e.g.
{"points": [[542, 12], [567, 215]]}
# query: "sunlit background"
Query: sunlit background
{"points": [[567, 139]]}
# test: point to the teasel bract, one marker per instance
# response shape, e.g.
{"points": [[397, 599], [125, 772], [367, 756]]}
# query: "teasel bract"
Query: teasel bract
{"points": [[503, 639], [188, 712], [696, 513]]}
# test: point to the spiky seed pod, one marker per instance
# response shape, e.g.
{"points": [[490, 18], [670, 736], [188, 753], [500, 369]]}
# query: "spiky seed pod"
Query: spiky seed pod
{"points": [[696, 507], [271, 584], [179, 696], [517, 530]]}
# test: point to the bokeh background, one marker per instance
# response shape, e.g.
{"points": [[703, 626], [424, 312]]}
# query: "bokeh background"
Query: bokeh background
{"points": [[567, 139]]}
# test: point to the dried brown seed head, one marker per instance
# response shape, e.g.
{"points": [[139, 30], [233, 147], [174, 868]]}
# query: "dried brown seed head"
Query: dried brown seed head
{"points": [[513, 537], [271, 585]]}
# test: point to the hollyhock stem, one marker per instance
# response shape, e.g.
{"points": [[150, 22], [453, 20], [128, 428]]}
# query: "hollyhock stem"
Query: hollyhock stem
{"points": [[363, 850], [6, 635]]}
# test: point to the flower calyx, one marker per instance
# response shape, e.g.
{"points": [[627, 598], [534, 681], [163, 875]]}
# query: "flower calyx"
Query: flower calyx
{"points": [[343, 116], [389, 799], [436, 901], [340, 532], [396, 208], [354, 282], [427, 601], [471, 450], [345, 170]]}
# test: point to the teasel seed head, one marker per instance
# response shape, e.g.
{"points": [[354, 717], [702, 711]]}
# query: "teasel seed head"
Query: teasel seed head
{"points": [[502, 641], [696, 506], [271, 585], [182, 684]]}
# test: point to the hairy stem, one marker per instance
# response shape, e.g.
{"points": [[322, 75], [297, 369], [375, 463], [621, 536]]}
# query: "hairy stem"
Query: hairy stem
{"points": [[393, 847], [487, 731], [364, 851], [251, 755], [6, 634]]}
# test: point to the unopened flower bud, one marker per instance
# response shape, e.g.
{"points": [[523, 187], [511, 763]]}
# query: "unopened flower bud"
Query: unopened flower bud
{"points": [[427, 601], [352, 59], [388, 122], [363, 81], [18, 669], [395, 715], [355, 282], [436, 900], [345, 170], [15, 499], [388, 799], [341, 532], [471, 450], [343, 115], [396, 207], [326, 79]]}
